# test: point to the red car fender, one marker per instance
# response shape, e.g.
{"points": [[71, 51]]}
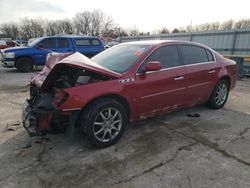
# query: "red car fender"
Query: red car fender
{"points": [[80, 96]]}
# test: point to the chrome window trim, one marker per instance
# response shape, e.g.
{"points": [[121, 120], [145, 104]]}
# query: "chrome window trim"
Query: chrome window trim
{"points": [[214, 61], [181, 66]]}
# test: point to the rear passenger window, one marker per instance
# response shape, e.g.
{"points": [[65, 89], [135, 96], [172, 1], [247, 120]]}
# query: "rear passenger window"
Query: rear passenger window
{"points": [[193, 54], [87, 42], [63, 43], [168, 56], [82, 42], [210, 56], [95, 42]]}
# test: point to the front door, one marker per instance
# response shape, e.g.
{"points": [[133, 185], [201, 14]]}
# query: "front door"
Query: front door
{"points": [[43, 48], [163, 90]]}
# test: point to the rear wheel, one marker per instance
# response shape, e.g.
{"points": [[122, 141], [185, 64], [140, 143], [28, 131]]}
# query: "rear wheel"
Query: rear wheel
{"points": [[24, 64], [219, 95], [104, 122]]}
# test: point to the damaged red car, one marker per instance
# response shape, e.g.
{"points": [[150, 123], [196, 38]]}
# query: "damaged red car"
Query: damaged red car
{"points": [[126, 83]]}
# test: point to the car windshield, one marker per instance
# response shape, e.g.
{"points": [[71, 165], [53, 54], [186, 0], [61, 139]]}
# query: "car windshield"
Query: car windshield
{"points": [[121, 57]]}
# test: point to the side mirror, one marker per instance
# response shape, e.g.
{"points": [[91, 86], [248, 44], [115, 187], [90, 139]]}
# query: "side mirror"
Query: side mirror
{"points": [[152, 66]]}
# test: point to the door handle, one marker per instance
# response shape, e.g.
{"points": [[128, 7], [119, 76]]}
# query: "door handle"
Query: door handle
{"points": [[211, 71], [179, 78]]}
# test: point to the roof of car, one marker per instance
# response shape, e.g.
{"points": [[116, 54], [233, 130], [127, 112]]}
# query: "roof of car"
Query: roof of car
{"points": [[73, 36], [157, 42]]}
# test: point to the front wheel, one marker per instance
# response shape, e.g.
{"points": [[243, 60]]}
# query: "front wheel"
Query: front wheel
{"points": [[219, 96], [24, 64], [104, 122]]}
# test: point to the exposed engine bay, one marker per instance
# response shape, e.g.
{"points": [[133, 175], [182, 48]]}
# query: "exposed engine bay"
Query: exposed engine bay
{"points": [[40, 115], [65, 76]]}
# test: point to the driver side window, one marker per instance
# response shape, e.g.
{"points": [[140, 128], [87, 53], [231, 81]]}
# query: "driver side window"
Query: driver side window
{"points": [[48, 43], [168, 56]]}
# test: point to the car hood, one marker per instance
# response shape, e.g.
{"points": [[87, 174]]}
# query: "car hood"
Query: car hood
{"points": [[72, 59], [13, 49]]}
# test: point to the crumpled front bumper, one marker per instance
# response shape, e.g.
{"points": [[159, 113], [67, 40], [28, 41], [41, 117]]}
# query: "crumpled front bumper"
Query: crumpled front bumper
{"points": [[35, 121]]}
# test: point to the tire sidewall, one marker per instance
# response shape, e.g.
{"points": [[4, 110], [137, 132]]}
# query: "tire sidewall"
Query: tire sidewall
{"points": [[90, 117], [24, 64]]}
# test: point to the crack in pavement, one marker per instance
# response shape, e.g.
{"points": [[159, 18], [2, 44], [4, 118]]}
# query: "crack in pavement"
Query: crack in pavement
{"points": [[174, 156], [39, 159], [206, 142], [18, 170], [40, 156], [241, 135], [189, 180], [244, 132]]}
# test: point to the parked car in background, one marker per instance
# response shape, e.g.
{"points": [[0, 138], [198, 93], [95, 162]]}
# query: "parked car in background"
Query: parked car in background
{"points": [[110, 44], [3, 44], [25, 58], [126, 83]]}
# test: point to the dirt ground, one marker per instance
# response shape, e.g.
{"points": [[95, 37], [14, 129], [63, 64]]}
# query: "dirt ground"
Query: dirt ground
{"points": [[169, 151]]}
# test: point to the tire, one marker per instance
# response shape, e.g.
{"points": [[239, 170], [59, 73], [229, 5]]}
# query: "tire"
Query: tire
{"points": [[24, 64], [219, 95], [104, 122]]}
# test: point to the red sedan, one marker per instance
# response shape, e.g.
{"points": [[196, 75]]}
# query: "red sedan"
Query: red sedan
{"points": [[126, 83], [3, 44]]}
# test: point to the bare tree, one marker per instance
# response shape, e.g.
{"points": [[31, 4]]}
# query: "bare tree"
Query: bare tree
{"points": [[164, 31], [51, 28], [107, 25], [9, 30], [82, 22], [242, 24], [64, 27], [227, 25], [96, 20], [31, 28], [175, 30]]}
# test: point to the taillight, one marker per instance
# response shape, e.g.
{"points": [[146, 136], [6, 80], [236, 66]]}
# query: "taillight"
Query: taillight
{"points": [[60, 97]]}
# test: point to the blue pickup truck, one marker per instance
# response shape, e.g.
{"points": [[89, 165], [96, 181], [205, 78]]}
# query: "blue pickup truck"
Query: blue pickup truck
{"points": [[26, 58]]}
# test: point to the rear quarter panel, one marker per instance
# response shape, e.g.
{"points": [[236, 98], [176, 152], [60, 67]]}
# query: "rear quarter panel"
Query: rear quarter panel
{"points": [[228, 68]]}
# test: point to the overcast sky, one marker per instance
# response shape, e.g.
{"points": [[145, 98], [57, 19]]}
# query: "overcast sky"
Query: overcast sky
{"points": [[145, 15]]}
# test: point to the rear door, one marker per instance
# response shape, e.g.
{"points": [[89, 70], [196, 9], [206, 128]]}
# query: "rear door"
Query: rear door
{"points": [[88, 46], [200, 69], [64, 45], [162, 90]]}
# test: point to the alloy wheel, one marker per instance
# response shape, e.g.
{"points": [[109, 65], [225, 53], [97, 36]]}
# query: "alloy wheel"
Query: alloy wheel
{"points": [[221, 94], [107, 124]]}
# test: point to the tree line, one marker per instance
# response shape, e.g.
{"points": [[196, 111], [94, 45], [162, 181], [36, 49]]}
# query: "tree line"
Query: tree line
{"points": [[83, 23], [213, 26], [98, 23]]}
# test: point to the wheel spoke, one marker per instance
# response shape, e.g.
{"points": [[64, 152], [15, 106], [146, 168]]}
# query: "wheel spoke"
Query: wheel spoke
{"points": [[114, 128], [102, 115], [110, 134], [114, 116], [98, 132], [104, 134], [117, 121], [109, 112], [98, 123]]}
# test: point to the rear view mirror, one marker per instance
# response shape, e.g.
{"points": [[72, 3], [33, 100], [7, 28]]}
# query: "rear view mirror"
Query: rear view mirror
{"points": [[152, 66]]}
